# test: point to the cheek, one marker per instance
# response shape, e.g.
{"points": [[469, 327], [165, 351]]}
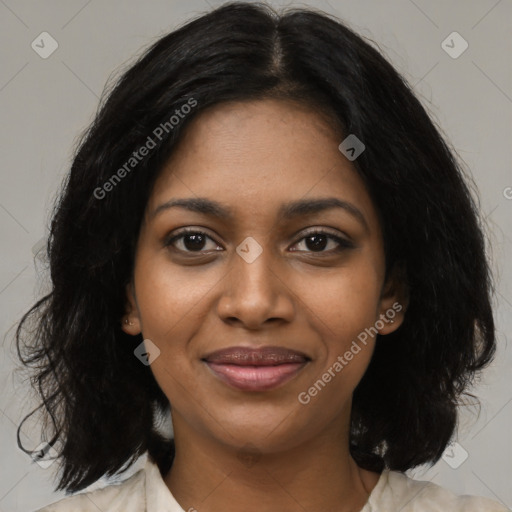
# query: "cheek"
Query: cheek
{"points": [[169, 302], [343, 302], [171, 299], [343, 309], [344, 312]]}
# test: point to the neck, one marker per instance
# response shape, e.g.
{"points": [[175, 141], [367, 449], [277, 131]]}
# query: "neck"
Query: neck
{"points": [[317, 475]]}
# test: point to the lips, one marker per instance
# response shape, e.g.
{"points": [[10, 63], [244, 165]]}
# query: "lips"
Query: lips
{"points": [[260, 369], [265, 356]]}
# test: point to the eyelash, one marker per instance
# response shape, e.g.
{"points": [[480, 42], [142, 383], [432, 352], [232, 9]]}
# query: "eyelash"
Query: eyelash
{"points": [[343, 243]]}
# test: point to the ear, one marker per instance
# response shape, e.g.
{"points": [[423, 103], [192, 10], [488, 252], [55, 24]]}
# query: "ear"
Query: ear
{"points": [[130, 323], [394, 301]]}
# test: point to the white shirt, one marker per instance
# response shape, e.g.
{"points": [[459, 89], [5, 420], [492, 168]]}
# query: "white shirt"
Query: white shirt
{"points": [[146, 491]]}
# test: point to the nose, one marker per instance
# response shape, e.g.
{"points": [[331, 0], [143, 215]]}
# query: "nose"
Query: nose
{"points": [[256, 293]]}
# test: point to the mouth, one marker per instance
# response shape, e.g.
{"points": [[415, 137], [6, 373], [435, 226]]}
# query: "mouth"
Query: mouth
{"points": [[256, 369]]}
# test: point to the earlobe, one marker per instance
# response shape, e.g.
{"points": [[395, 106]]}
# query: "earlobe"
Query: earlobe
{"points": [[391, 318], [394, 301], [131, 322]]}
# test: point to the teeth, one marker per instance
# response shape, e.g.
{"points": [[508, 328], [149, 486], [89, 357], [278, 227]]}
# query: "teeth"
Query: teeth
{"points": [[260, 362], [264, 363], [266, 357]]}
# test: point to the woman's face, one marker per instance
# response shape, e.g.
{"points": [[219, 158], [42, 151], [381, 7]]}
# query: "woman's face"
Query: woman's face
{"points": [[259, 277]]}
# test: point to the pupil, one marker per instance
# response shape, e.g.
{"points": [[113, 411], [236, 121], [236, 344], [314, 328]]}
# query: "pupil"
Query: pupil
{"points": [[197, 241], [314, 242], [316, 245]]}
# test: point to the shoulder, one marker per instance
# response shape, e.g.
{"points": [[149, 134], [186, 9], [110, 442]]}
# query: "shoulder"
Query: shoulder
{"points": [[125, 496], [399, 490]]}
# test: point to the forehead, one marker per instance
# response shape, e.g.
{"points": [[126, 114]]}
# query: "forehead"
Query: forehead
{"points": [[257, 155]]}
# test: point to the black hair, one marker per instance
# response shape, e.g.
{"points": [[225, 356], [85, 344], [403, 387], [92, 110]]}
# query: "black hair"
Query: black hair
{"points": [[91, 385]]}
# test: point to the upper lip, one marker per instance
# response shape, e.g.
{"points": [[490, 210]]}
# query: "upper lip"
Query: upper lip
{"points": [[263, 356]]}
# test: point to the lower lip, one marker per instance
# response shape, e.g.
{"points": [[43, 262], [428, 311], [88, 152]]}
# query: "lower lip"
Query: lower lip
{"points": [[256, 378]]}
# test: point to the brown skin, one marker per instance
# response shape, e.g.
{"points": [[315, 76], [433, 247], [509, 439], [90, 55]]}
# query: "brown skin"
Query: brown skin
{"points": [[191, 300]]}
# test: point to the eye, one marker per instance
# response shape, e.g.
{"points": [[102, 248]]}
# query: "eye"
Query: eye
{"points": [[317, 240], [191, 240]]}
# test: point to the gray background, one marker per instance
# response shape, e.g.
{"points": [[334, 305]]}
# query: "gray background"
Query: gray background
{"points": [[46, 103]]}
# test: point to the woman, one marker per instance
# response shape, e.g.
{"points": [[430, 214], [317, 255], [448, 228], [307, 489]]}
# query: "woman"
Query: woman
{"points": [[263, 233]]}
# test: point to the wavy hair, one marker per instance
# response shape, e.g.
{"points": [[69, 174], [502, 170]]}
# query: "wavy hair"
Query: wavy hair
{"points": [[101, 402]]}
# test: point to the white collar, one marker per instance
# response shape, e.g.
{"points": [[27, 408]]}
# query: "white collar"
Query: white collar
{"points": [[160, 499], [158, 495]]}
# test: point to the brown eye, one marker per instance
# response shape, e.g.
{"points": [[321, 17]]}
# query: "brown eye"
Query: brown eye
{"points": [[318, 241], [191, 241]]}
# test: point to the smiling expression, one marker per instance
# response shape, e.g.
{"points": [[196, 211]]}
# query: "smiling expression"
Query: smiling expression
{"points": [[264, 177]]}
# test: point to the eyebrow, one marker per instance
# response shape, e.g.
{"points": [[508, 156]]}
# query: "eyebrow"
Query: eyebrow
{"points": [[287, 211]]}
